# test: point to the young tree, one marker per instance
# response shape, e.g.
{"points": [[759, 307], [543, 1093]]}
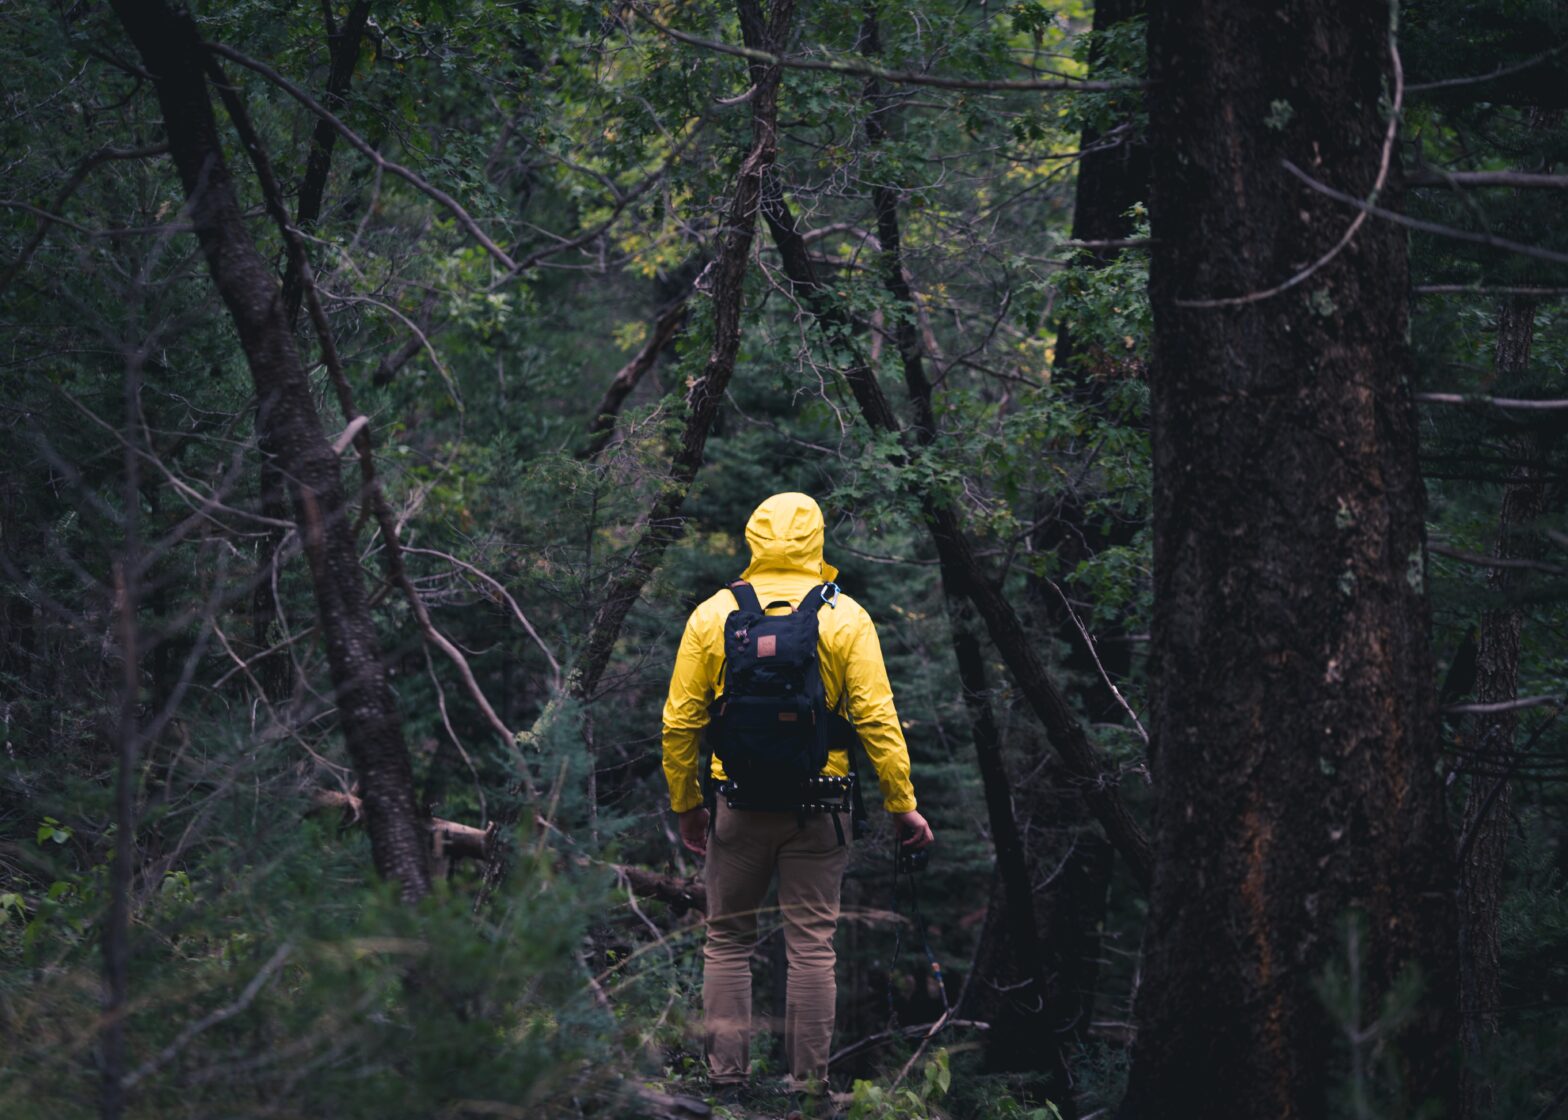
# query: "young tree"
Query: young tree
{"points": [[291, 432], [1294, 728]]}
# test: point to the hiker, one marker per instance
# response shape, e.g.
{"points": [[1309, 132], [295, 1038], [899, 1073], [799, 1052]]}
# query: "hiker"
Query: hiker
{"points": [[780, 784]]}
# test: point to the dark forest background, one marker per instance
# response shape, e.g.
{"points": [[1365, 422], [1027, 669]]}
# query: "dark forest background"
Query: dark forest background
{"points": [[383, 382]]}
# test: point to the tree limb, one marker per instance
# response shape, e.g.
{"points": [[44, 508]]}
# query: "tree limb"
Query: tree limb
{"points": [[1091, 778], [665, 327], [864, 70]]}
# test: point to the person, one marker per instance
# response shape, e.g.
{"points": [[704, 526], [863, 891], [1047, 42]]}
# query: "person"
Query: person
{"points": [[744, 849]]}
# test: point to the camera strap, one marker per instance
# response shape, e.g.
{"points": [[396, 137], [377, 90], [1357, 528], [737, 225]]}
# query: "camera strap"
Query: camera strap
{"points": [[904, 866]]}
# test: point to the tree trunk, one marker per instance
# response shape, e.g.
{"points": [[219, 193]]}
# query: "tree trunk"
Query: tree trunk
{"points": [[343, 48], [1113, 173], [664, 524], [1028, 1016], [1485, 828], [727, 279], [1294, 723], [127, 739], [666, 326], [1013, 641], [291, 433], [273, 673]]}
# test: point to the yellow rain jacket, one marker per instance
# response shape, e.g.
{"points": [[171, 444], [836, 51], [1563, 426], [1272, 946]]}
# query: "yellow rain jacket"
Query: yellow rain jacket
{"points": [[785, 535]]}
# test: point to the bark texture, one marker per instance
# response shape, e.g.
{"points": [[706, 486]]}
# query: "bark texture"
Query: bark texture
{"points": [[292, 437], [1294, 725], [1485, 830]]}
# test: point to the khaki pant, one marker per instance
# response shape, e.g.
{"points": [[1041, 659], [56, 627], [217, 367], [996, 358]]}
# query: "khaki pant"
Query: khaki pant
{"points": [[745, 850]]}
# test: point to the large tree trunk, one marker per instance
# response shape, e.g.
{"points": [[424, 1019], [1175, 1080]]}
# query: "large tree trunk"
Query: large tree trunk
{"points": [[1295, 724], [291, 434], [1486, 811]]}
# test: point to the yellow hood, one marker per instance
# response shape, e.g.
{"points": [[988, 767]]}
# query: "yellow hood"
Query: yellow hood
{"points": [[785, 534]]}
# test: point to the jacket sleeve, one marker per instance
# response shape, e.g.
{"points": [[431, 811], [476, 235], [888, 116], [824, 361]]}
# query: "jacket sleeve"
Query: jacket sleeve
{"points": [[875, 718], [686, 713]]}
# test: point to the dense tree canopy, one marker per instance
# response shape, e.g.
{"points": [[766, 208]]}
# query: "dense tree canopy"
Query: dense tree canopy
{"points": [[384, 383]]}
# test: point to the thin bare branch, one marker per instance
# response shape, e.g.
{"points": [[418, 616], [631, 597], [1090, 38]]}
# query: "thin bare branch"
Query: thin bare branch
{"points": [[413, 178], [1482, 561], [1458, 180], [1095, 653], [1425, 226], [500, 589], [78, 177], [1500, 72], [1523, 403], [864, 70], [1484, 290], [222, 1014], [1506, 705]]}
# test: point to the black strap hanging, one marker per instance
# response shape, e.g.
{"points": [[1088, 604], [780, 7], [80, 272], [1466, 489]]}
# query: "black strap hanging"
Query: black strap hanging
{"points": [[906, 864]]}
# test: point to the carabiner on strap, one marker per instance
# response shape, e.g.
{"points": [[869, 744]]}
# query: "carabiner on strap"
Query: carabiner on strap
{"points": [[830, 600]]}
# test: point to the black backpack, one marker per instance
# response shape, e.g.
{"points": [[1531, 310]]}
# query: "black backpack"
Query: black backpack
{"points": [[771, 728]]}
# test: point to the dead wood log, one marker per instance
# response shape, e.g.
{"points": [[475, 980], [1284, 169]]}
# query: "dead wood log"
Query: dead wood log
{"points": [[451, 840]]}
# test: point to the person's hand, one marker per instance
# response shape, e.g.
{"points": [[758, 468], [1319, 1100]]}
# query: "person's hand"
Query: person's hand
{"points": [[694, 829], [913, 830]]}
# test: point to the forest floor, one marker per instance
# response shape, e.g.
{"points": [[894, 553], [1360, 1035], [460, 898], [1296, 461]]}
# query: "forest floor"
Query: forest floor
{"points": [[764, 1099]]}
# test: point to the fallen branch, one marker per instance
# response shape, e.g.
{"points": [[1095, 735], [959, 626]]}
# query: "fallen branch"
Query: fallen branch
{"points": [[1482, 561], [452, 840], [679, 895], [673, 1107], [449, 839], [882, 1038], [1506, 705], [1551, 405]]}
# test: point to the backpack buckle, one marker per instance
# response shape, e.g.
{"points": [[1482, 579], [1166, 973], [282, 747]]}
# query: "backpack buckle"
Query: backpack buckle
{"points": [[830, 600]]}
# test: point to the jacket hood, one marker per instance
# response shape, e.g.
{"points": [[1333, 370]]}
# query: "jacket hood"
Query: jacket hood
{"points": [[785, 534]]}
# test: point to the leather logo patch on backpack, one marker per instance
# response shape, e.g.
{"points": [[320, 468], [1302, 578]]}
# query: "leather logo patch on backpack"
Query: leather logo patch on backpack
{"points": [[788, 717], [768, 645]]}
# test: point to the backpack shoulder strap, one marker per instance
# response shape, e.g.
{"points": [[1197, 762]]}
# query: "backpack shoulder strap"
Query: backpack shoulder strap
{"points": [[746, 596], [822, 593]]}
